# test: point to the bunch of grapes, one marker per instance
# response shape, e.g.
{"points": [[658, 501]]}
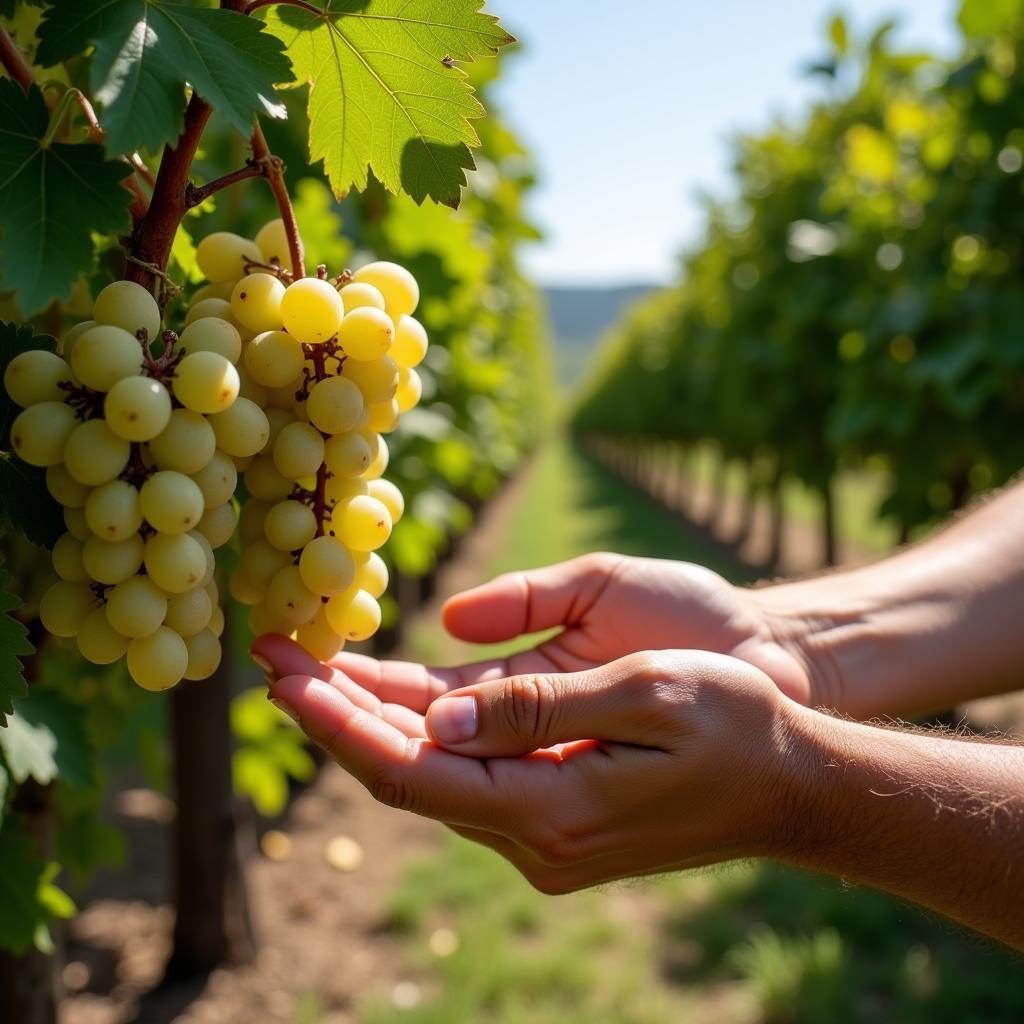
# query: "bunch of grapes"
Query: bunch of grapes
{"points": [[131, 425], [332, 362]]}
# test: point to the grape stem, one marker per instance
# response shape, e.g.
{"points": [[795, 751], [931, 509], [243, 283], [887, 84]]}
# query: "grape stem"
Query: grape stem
{"points": [[275, 178], [196, 194], [316, 355], [13, 61]]}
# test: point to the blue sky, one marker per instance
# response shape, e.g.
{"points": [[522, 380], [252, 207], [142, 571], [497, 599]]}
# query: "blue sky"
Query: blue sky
{"points": [[629, 108]]}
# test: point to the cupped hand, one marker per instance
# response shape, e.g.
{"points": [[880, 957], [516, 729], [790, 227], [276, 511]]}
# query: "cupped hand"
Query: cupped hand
{"points": [[652, 762]]}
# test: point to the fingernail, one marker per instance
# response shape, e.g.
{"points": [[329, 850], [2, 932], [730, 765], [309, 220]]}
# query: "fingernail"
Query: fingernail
{"points": [[453, 720], [281, 706], [268, 668]]}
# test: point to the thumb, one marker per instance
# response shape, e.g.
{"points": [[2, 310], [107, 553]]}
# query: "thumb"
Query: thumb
{"points": [[520, 714]]}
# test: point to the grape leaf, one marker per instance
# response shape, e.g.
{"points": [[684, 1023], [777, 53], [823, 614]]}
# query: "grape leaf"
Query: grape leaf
{"points": [[53, 198], [145, 52], [72, 752], [4, 786], [13, 645], [29, 750], [384, 93]]}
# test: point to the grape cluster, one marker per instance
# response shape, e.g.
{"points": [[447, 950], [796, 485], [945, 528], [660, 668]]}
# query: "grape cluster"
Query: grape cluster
{"points": [[329, 365], [127, 423]]}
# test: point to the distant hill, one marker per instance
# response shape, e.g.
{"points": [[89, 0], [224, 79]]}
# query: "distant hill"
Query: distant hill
{"points": [[579, 317]]}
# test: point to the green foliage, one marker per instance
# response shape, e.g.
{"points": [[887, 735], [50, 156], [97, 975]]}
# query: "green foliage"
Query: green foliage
{"points": [[58, 729], [54, 196], [14, 645], [144, 51], [390, 63]]}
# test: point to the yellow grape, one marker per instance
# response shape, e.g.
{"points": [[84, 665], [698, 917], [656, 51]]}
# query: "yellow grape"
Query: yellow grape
{"points": [[272, 240], [189, 613], [311, 310], [410, 389], [212, 334], [285, 397], [204, 654], [243, 590], [212, 291], [347, 455], [186, 444], [256, 302], [205, 382], [298, 451], [264, 482], [39, 434], [113, 561], [390, 496], [94, 454], [158, 661], [218, 524], [211, 560], [136, 607], [410, 343], [379, 465], [399, 288], [335, 404], [74, 520], [137, 408], [217, 620], [129, 306], [242, 429], [371, 573], [260, 562], [383, 416], [64, 606], [358, 294], [273, 359], [65, 488], [67, 559], [289, 525], [366, 333], [377, 379], [98, 641], [318, 637], [211, 309], [262, 620], [113, 511], [248, 388], [175, 562], [326, 566], [289, 599], [74, 333], [362, 523], [354, 614], [103, 355], [171, 502], [222, 256], [217, 480], [36, 376]]}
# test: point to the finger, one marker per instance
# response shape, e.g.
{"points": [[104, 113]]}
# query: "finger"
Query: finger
{"points": [[525, 602], [617, 702], [410, 773]]}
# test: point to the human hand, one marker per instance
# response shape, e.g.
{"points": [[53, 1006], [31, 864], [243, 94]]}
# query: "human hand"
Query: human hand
{"points": [[653, 762], [609, 606]]}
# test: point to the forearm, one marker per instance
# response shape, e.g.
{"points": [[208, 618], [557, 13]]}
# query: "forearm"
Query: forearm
{"points": [[935, 820], [929, 627]]}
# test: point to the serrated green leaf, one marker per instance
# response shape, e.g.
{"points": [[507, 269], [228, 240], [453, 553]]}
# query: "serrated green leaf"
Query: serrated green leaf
{"points": [[54, 900], [145, 52], [72, 753], [4, 786], [384, 93], [14, 644], [52, 198], [29, 750], [21, 916], [26, 504]]}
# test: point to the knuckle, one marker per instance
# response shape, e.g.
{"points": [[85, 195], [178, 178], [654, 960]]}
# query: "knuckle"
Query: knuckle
{"points": [[390, 789], [528, 705], [557, 848]]}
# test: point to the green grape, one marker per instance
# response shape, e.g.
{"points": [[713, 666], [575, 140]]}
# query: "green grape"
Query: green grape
{"points": [[36, 376], [335, 405], [186, 444], [264, 482], [189, 613], [113, 511], [63, 487], [39, 434], [256, 302], [211, 560], [347, 455], [242, 462], [262, 620], [243, 590], [354, 614], [137, 408], [210, 309], [217, 480], [359, 294], [98, 641], [399, 288], [158, 661], [113, 561], [362, 523], [222, 256], [326, 566], [67, 559], [248, 388], [136, 607], [272, 240], [278, 420], [68, 341], [371, 573], [273, 359], [377, 379], [383, 417], [289, 525], [318, 638], [338, 489], [129, 306], [74, 520], [379, 465], [390, 496], [298, 451], [289, 599], [212, 291], [410, 343], [366, 333], [64, 606], [242, 429], [171, 502], [212, 334], [205, 382], [94, 454], [410, 389], [104, 354], [260, 562], [217, 620], [175, 562], [204, 654], [311, 310], [251, 521], [218, 524]]}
